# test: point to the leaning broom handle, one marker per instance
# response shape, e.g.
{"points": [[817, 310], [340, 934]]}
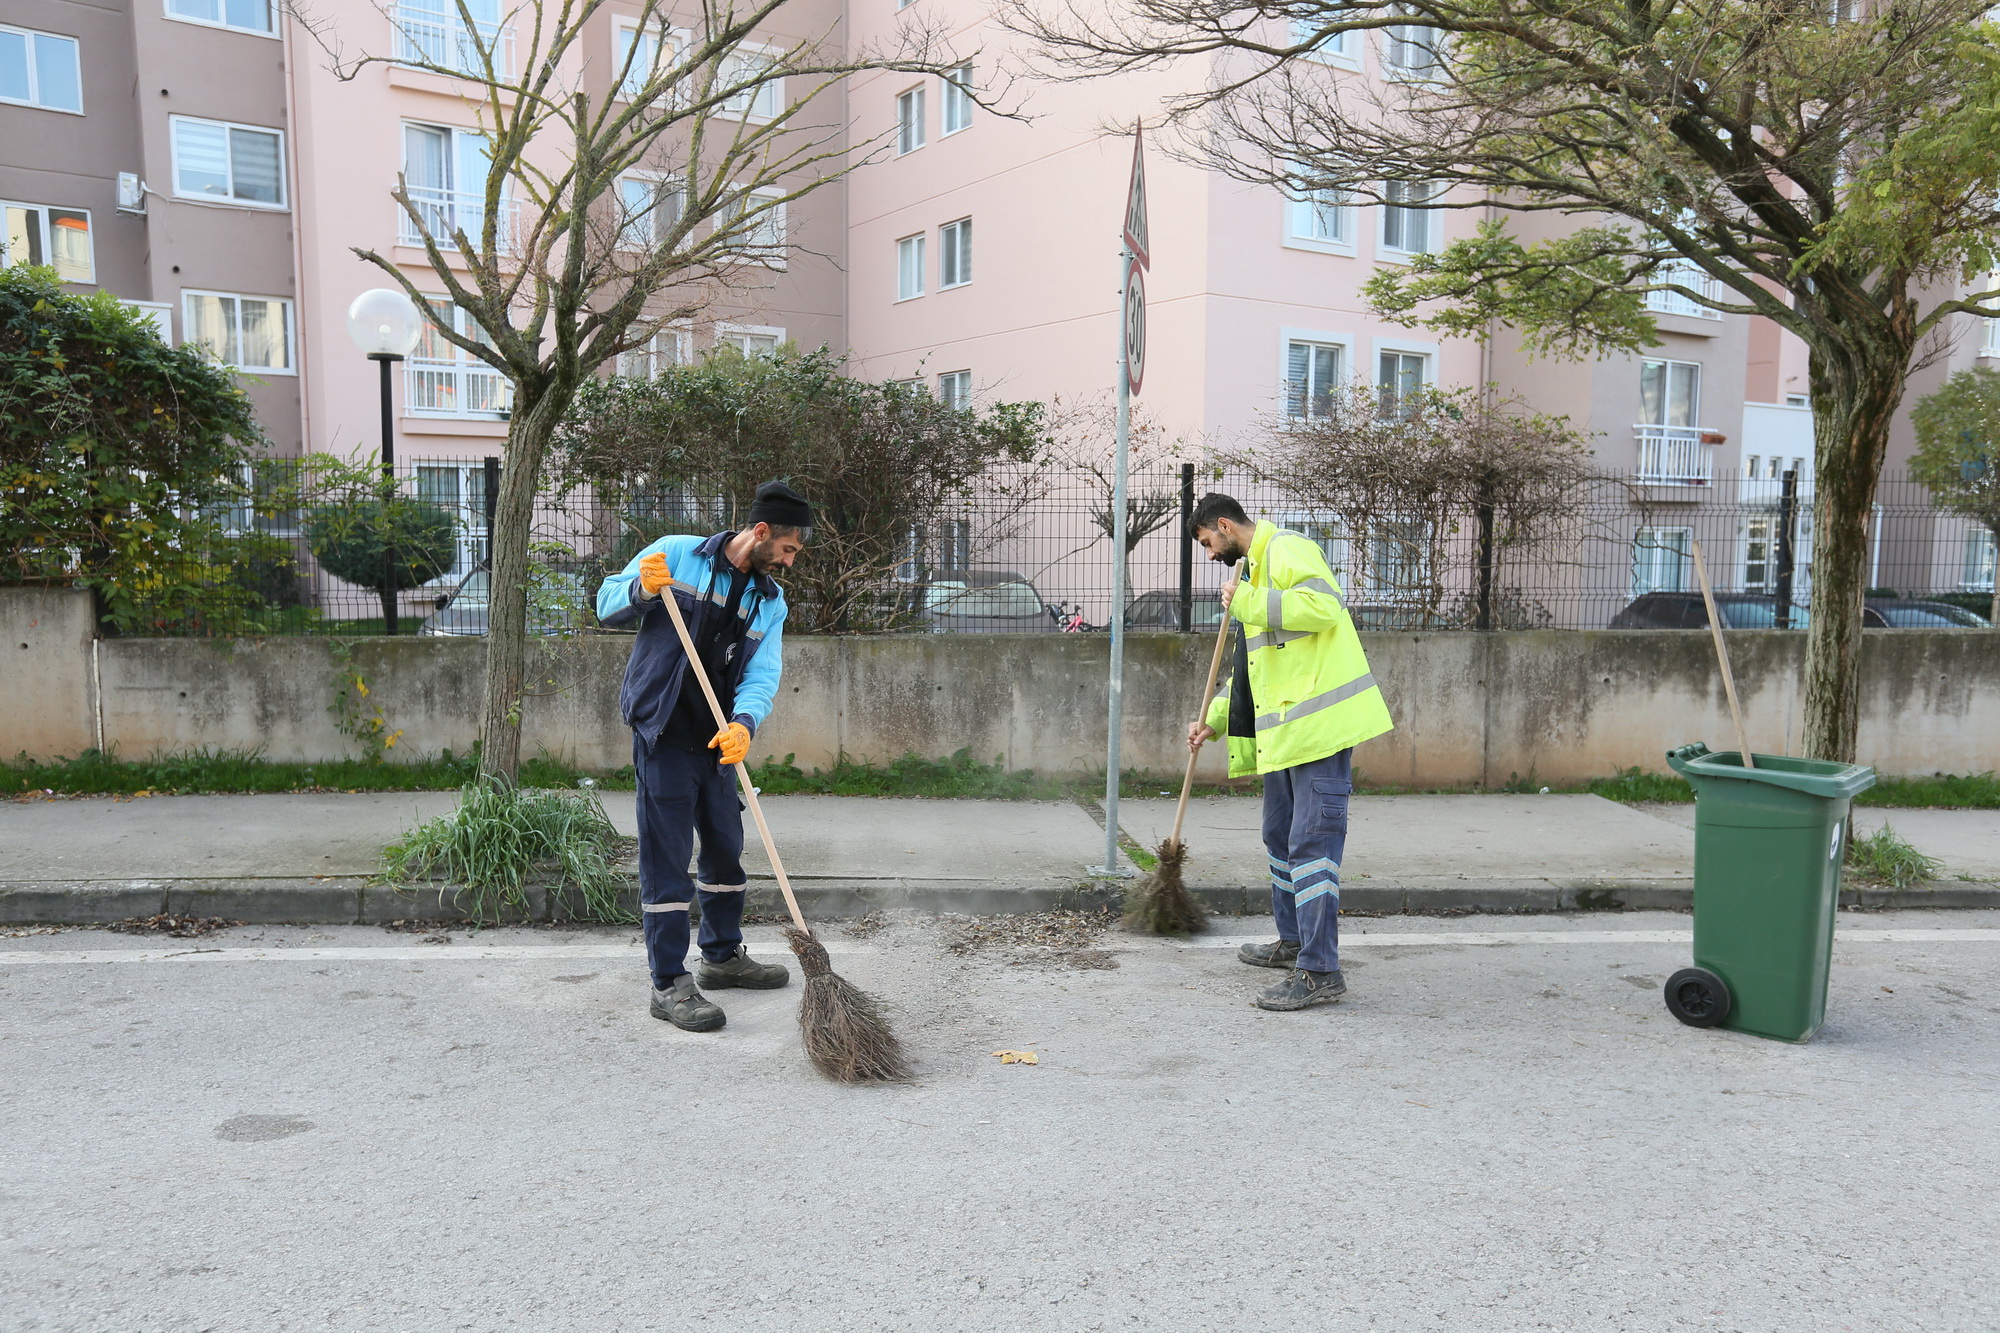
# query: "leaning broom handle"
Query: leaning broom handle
{"points": [[1722, 656], [742, 771], [1214, 670]]}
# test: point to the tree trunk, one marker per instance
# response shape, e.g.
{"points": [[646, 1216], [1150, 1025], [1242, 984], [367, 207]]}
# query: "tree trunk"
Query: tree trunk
{"points": [[534, 424], [1855, 397]]}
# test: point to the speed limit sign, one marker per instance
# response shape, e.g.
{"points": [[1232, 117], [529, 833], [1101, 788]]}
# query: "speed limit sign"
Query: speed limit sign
{"points": [[1135, 323]]}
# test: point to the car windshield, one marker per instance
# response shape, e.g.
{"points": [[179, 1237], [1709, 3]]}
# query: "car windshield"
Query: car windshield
{"points": [[1165, 609], [998, 599], [473, 590], [1761, 615], [1928, 617]]}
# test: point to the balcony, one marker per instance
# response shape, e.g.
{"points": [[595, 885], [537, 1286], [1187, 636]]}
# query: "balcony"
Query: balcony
{"points": [[1673, 303], [1676, 455], [444, 211], [440, 39], [463, 389]]}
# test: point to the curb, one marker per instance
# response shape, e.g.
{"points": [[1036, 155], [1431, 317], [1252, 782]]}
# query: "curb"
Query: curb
{"points": [[358, 901]]}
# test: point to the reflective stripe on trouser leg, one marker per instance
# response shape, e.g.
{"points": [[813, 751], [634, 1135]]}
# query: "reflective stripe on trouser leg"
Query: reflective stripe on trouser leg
{"points": [[1318, 840]]}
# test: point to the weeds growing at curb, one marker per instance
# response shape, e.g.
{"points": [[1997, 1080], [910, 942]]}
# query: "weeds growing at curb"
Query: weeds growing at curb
{"points": [[486, 849], [1885, 857]]}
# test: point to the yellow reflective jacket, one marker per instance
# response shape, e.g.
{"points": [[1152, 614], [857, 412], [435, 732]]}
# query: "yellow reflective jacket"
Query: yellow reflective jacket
{"points": [[1309, 680]]}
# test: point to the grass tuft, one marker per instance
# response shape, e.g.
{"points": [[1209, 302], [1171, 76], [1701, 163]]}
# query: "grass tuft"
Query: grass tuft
{"points": [[499, 836], [1886, 858]]}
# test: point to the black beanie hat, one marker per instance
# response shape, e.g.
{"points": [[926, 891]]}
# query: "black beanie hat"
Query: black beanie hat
{"points": [[780, 506]]}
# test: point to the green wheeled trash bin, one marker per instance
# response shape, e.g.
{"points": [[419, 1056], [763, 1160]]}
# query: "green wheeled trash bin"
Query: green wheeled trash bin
{"points": [[1768, 843]]}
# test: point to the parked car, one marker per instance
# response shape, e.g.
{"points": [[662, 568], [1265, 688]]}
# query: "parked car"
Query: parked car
{"points": [[1162, 611], [984, 602], [1744, 610], [561, 609]]}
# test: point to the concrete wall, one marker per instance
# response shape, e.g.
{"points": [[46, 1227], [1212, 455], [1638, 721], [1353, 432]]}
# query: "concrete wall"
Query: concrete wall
{"points": [[1471, 709]]}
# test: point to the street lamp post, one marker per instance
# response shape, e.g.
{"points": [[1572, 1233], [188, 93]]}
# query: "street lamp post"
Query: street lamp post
{"points": [[386, 325]]}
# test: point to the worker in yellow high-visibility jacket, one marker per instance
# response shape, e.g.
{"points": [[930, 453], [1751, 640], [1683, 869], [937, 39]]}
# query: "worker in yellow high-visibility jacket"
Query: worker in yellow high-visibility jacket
{"points": [[1297, 702]]}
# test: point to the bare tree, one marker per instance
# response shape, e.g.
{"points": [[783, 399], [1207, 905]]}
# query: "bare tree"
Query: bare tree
{"points": [[558, 271], [1825, 166], [1082, 443]]}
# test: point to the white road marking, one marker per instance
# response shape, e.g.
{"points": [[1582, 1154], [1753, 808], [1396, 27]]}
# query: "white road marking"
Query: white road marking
{"points": [[632, 952]]}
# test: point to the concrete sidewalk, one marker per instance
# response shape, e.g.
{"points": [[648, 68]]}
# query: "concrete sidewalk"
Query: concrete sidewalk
{"points": [[310, 857]]}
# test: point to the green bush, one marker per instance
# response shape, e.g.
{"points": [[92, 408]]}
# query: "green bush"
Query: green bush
{"points": [[351, 541]]}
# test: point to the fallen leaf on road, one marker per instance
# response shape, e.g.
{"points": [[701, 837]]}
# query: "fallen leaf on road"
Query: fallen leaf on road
{"points": [[1018, 1057]]}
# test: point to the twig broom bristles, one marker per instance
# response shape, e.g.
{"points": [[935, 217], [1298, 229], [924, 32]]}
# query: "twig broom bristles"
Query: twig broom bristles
{"points": [[1160, 904], [846, 1036]]}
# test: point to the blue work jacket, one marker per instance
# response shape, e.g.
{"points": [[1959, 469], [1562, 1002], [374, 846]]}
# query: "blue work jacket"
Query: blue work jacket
{"points": [[700, 574]]}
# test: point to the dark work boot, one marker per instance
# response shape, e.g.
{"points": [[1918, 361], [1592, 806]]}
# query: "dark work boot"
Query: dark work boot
{"points": [[686, 1007], [739, 970], [1302, 990], [1281, 953]]}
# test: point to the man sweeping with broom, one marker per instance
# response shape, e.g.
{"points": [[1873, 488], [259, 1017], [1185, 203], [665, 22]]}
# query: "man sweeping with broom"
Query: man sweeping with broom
{"points": [[1298, 700], [735, 613]]}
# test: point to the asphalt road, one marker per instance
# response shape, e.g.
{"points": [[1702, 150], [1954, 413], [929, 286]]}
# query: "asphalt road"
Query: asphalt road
{"points": [[352, 1129]]}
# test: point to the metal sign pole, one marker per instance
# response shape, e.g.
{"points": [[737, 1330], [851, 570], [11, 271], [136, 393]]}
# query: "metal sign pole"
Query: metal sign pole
{"points": [[1115, 719]]}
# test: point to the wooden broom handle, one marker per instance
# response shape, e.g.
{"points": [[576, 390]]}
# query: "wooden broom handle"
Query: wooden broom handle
{"points": [[1722, 654], [742, 770], [1208, 693]]}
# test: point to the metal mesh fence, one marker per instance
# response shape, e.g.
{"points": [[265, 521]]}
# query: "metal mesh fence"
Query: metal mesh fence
{"points": [[1618, 555]]}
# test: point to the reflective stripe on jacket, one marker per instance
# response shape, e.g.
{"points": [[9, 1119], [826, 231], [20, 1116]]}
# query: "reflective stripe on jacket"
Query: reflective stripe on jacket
{"points": [[1309, 680]]}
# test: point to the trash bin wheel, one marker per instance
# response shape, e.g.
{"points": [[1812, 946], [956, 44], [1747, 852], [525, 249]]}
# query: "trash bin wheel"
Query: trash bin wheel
{"points": [[1698, 997]]}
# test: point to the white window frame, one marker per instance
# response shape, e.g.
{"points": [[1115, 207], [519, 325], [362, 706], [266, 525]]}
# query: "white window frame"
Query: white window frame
{"points": [[911, 114], [28, 36], [955, 100], [1299, 205], [189, 325], [452, 45], [767, 101], [283, 204], [672, 346], [1666, 397], [47, 238], [222, 6], [1400, 36], [1649, 539], [954, 388], [638, 231], [464, 374], [910, 278], [1318, 338], [160, 314], [1404, 347], [766, 234], [1978, 560], [468, 207], [626, 31], [1342, 49], [1432, 219], [725, 332], [955, 237]]}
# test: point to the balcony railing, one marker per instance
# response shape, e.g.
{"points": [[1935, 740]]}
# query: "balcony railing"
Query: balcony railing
{"points": [[1673, 303], [1675, 455], [443, 211], [456, 389], [440, 38]]}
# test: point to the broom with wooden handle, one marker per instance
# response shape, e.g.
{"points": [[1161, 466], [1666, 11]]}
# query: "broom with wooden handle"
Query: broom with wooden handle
{"points": [[1160, 904], [1722, 655], [846, 1036]]}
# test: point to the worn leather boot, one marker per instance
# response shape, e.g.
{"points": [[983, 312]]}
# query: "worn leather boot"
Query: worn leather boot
{"points": [[1302, 990], [1279, 953], [686, 1007], [739, 970]]}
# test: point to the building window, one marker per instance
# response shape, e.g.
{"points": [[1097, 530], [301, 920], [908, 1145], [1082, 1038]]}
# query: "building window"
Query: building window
{"points": [[750, 341], [762, 241], [243, 15], [444, 174], [1669, 393], [1759, 554], [58, 237], [248, 332], [909, 268], [909, 121], [1660, 560], [651, 52], [1412, 51], [159, 315], [955, 388], [434, 33], [238, 163], [1399, 376], [668, 347], [752, 65], [445, 380], [40, 69], [956, 113], [1977, 573], [1333, 49], [649, 206], [1313, 375], [460, 491], [955, 253], [1797, 400], [1319, 220], [1408, 224]]}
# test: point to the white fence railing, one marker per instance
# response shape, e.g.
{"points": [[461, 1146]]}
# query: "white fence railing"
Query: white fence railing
{"points": [[456, 389], [1674, 456], [1673, 303], [441, 212], [441, 38]]}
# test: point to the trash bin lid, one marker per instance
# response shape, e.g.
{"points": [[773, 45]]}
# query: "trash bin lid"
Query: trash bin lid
{"points": [[1814, 777]]}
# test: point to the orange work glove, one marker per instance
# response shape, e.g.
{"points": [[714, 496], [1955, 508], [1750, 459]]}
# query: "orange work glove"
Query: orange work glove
{"points": [[734, 742], [653, 574]]}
